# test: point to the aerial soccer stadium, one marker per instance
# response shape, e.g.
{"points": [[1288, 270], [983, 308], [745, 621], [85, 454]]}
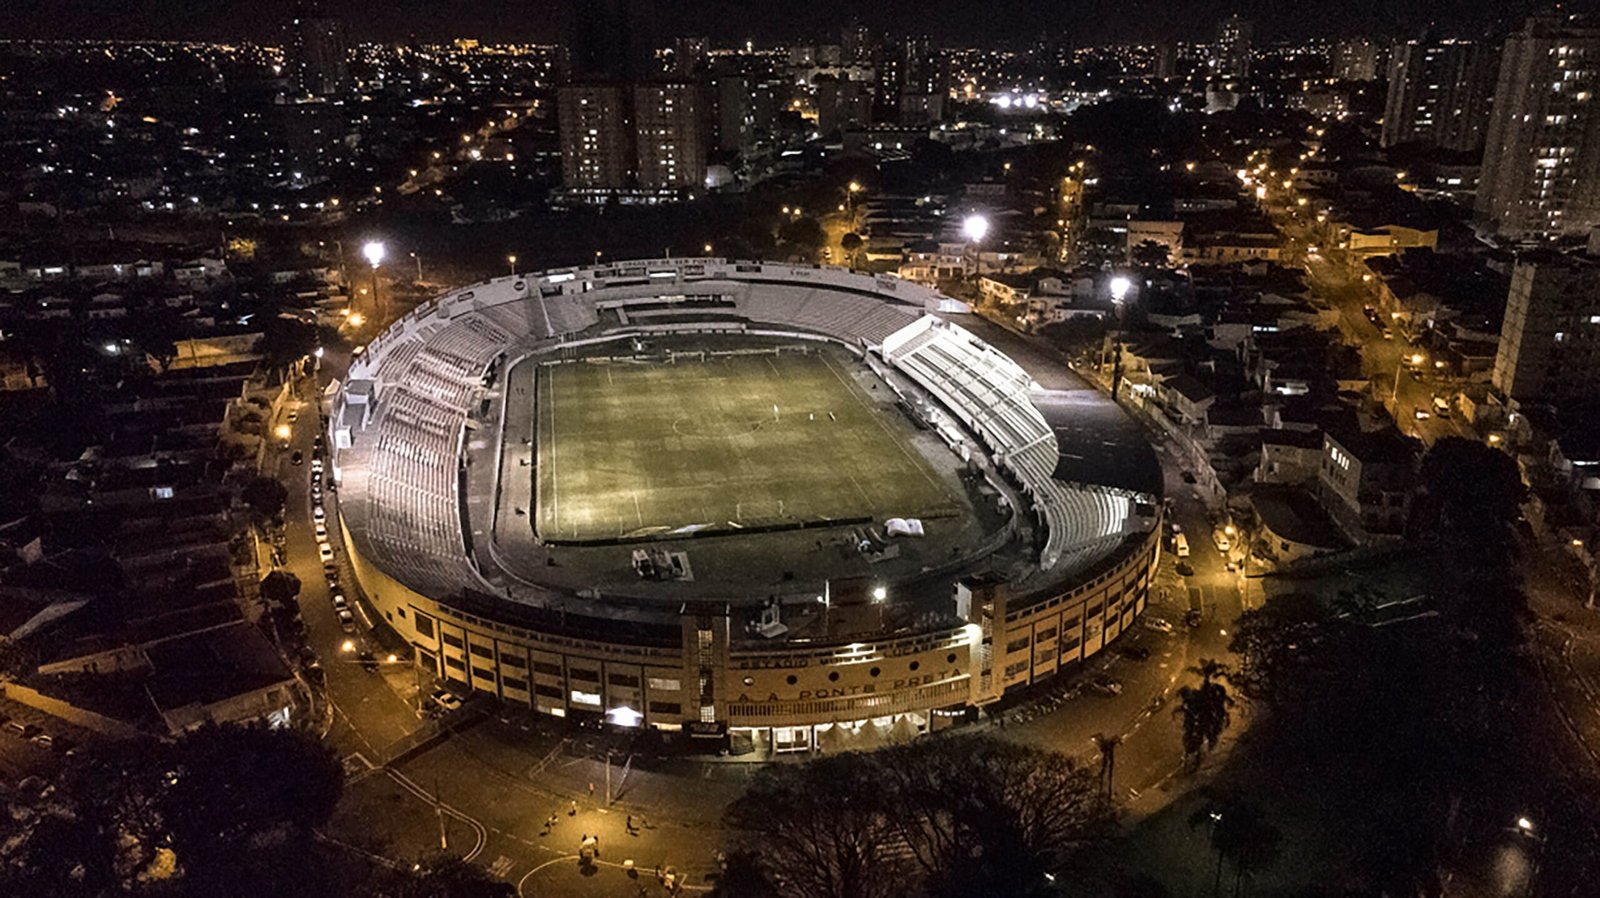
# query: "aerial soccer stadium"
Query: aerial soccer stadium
{"points": [[794, 507]]}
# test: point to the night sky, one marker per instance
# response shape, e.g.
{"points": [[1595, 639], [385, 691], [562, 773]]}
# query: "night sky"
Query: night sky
{"points": [[1076, 22]]}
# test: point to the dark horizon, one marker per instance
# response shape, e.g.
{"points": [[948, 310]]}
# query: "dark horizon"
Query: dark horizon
{"points": [[1077, 22]]}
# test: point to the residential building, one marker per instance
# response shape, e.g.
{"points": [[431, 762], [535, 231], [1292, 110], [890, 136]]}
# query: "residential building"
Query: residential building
{"points": [[1366, 478], [596, 136], [668, 138], [1356, 60], [1439, 93], [317, 53], [1541, 162], [1230, 54], [1550, 339]]}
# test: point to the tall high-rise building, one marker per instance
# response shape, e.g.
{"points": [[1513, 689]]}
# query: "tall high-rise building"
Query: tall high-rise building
{"points": [[316, 52], [855, 44], [1439, 93], [627, 132], [1230, 54], [1541, 160], [671, 152], [596, 133], [1356, 60], [1550, 339], [1166, 64], [689, 55], [735, 122]]}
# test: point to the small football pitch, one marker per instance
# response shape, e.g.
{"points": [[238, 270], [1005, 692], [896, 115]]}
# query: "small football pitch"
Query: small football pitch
{"points": [[632, 449]]}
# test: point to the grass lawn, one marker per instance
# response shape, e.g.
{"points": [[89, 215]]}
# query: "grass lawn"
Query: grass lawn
{"points": [[636, 449]]}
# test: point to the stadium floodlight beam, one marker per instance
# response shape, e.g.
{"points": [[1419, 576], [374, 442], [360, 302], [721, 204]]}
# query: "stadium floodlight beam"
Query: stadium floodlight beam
{"points": [[374, 251]]}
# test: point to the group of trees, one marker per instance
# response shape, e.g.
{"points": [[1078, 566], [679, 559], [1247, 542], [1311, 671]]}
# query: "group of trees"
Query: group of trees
{"points": [[225, 810], [959, 816], [1419, 721]]}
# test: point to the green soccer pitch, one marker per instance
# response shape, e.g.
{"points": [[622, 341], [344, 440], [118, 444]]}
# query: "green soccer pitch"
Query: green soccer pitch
{"points": [[735, 441]]}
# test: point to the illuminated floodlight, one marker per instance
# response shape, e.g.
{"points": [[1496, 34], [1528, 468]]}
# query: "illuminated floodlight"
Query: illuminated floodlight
{"points": [[975, 228], [879, 593], [1120, 285], [624, 716], [374, 251]]}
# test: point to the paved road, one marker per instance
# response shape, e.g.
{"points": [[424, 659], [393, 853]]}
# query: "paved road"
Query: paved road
{"points": [[1383, 359], [368, 712]]}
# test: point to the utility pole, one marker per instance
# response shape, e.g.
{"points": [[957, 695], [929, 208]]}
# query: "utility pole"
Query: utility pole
{"points": [[608, 777]]}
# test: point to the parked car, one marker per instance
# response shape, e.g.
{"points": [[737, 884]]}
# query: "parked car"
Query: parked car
{"points": [[44, 740], [347, 621], [445, 699], [1220, 537], [1192, 618], [1158, 625], [16, 728], [297, 457], [325, 551], [339, 604], [1136, 652], [1185, 569], [294, 416], [318, 513], [1104, 685], [322, 530]]}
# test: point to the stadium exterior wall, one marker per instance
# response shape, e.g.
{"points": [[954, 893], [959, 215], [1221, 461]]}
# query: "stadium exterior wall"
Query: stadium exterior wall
{"points": [[784, 694]]}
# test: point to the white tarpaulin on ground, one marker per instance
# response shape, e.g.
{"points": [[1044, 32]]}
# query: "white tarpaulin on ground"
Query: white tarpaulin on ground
{"points": [[903, 526]]}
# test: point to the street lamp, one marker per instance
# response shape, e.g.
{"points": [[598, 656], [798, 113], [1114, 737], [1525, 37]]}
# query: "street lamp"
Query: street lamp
{"points": [[1120, 285], [512, 261], [1415, 358]]}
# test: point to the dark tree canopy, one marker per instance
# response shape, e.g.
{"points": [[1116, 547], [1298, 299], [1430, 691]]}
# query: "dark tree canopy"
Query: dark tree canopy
{"points": [[977, 816]]}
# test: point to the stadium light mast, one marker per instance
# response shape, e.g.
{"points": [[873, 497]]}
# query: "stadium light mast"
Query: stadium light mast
{"points": [[374, 251], [975, 228]]}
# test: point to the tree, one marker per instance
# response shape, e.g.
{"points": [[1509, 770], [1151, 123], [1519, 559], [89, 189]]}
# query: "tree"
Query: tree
{"points": [[1206, 709], [265, 496], [819, 829], [804, 235], [1151, 254], [1471, 499], [224, 810], [990, 817], [978, 816], [851, 243], [1238, 832], [1107, 746], [280, 587], [441, 876]]}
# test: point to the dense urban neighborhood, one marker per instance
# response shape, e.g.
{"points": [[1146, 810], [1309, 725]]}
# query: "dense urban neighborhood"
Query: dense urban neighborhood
{"points": [[632, 453]]}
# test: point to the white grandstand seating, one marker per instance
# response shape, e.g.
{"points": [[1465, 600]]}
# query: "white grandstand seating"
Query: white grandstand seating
{"points": [[400, 474], [989, 393]]}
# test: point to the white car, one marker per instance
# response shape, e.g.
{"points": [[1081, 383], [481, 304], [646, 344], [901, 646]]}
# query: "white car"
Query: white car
{"points": [[322, 530], [318, 513], [446, 700], [347, 621], [339, 604], [1221, 539], [325, 551], [1157, 624]]}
